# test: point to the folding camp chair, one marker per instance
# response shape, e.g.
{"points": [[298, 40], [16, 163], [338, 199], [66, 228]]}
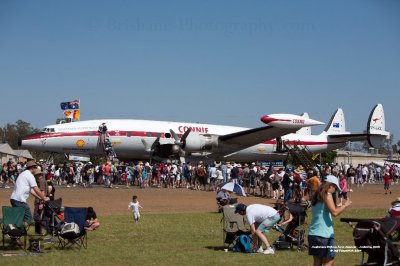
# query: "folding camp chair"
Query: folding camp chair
{"points": [[234, 225], [73, 217], [12, 225]]}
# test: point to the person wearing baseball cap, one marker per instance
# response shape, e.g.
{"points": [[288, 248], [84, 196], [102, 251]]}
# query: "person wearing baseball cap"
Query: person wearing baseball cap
{"points": [[26, 183], [321, 239]]}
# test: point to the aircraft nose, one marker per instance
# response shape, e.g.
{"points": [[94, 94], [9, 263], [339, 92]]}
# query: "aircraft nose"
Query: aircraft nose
{"points": [[267, 119]]}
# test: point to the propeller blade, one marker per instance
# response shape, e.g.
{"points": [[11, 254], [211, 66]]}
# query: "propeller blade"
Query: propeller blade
{"points": [[186, 134], [155, 143], [175, 136], [146, 145]]}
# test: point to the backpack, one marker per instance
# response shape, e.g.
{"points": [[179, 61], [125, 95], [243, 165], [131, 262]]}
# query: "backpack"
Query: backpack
{"points": [[70, 230], [242, 244], [201, 172]]}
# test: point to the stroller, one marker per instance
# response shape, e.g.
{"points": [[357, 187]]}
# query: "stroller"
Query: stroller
{"points": [[52, 217], [376, 237], [51, 223], [295, 231]]}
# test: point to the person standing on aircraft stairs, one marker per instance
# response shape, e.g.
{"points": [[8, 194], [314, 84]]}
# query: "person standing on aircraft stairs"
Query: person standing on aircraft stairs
{"points": [[103, 132]]}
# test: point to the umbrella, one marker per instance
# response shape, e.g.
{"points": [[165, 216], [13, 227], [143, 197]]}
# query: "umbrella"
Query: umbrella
{"points": [[235, 188]]}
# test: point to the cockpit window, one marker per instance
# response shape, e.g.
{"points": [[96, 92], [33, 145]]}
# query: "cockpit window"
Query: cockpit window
{"points": [[48, 129]]}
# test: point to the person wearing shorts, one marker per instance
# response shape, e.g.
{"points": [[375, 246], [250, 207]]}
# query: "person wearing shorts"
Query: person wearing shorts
{"points": [[321, 241], [263, 216]]}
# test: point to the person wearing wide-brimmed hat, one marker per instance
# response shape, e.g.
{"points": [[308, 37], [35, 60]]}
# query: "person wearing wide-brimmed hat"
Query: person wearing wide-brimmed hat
{"points": [[23, 186], [38, 203]]}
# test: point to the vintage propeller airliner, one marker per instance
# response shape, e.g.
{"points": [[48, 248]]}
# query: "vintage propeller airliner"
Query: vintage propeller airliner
{"points": [[144, 139]]}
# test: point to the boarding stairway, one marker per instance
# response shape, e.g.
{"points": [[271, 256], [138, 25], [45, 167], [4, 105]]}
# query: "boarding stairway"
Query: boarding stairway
{"points": [[107, 147], [300, 154]]}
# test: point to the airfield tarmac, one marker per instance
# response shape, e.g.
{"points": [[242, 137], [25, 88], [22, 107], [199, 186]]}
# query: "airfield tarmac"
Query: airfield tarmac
{"points": [[115, 201]]}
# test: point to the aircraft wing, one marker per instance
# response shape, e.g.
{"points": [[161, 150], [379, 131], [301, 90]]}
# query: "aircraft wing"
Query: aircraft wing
{"points": [[243, 139]]}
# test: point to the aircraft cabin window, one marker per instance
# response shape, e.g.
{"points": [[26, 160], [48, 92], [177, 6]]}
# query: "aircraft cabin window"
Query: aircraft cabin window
{"points": [[128, 134], [51, 130], [167, 135], [149, 134]]}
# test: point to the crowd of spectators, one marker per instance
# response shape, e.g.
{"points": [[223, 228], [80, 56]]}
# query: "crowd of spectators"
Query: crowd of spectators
{"points": [[257, 179]]}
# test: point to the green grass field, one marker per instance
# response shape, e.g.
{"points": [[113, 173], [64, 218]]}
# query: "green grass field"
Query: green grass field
{"points": [[178, 239]]}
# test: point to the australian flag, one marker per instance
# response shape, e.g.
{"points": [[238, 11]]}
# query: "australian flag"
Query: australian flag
{"points": [[335, 125], [72, 105]]}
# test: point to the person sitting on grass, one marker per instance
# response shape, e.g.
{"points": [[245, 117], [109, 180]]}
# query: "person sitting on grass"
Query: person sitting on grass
{"points": [[92, 223]]}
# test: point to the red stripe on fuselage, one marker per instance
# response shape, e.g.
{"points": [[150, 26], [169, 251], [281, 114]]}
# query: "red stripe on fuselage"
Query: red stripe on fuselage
{"points": [[113, 133], [116, 133]]}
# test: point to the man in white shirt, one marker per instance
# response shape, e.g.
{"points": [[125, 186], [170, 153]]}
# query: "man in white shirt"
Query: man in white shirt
{"points": [[265, 217], [23, 186]]}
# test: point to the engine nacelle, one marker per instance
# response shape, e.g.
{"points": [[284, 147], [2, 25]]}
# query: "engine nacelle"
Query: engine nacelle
{"points": [[167, 150], [200, 142]]}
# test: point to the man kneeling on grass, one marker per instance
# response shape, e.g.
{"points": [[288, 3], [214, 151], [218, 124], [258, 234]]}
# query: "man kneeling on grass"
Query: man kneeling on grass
{"points": [[265, 217]]}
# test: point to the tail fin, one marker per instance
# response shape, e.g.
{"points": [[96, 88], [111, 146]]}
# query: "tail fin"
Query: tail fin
{"points": [[304, 130], [337, 124], [376, 127]]}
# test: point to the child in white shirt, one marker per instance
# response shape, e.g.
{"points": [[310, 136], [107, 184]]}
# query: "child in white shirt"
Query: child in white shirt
{"points": [[134, 207]]}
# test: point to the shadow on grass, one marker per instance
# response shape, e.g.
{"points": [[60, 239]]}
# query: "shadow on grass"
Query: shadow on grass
{"points": [[216, 248]]}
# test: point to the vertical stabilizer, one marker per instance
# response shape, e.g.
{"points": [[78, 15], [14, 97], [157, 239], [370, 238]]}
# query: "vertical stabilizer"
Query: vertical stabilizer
{"points": [[337, 124], [304, 130], [376, 126]]}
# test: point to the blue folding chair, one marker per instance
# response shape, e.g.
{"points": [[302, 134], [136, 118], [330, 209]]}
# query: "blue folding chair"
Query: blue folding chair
{"points": [[69, 239]]}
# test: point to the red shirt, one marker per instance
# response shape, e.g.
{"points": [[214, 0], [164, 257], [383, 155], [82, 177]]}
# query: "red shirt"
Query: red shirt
{"points": [[106, 170], [386, 177]]}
